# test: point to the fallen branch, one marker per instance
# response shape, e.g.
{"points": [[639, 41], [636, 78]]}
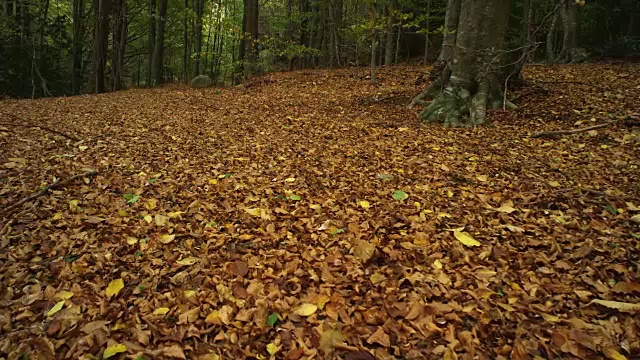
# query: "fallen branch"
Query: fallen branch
{"points": [[55, 185], [70, 137], [572, 131]]}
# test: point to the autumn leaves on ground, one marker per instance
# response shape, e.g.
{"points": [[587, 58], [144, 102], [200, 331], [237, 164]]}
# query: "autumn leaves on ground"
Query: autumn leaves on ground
{"points": [[308, 215]]}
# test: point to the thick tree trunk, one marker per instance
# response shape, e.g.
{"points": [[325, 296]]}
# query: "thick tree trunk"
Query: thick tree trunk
{"points": [[101, 45], [390, 38], [151, 41], [76, 59], [569, 16], [451, 20], [158, 53], [476, 74]]}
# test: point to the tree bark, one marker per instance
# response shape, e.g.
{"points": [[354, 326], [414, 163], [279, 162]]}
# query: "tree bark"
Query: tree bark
{"points": [[199, 9], [76, 50], [569, 16], [119, 44], [101, 45], [185, 41], [152, 41], [426, 34], [477, 73], [158, 53], [374, 44], [451, 20], [551, 55], [390, 39]]}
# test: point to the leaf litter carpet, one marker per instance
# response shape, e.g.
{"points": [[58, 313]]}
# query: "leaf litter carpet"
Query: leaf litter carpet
{"points": [[308, 215]]}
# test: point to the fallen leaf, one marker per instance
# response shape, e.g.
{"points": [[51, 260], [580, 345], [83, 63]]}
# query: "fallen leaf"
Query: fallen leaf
{"points": [[379, 337], [57, 307], [400, 195], [166, 238], [305, 309], [272, 348], [187, 261], [113, 350], [114, 287], [364, 204], [161, 311], [328, 339], [364, 250], [239, 268], [465, 238], [617, 305]]}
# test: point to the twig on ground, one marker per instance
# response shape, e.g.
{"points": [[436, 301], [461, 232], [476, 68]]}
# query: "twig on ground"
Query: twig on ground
{"points": [[71, 137], [571, 131], [55, 185]]}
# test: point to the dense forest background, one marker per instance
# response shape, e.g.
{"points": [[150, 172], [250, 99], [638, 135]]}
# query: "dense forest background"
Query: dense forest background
{"points": [[67, 47]]}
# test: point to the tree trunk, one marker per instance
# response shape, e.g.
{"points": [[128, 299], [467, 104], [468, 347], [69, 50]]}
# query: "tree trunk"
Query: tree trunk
{"points": [[569, 15], [185, 41], [374, 49], [390, 38], [119, 44], [199, 9], [76, 50], [101, 45], [250, 26], [158, 53], [551, 55], [426, 34], [450, 25], [152, 41], [304, 31], [476, 72]]}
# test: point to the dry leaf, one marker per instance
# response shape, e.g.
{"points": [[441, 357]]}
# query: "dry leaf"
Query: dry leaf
{"points": [[465, 238], [617, 305], [364, 250], [113, 350], [114, 287], [306, 309], [379, 337]]}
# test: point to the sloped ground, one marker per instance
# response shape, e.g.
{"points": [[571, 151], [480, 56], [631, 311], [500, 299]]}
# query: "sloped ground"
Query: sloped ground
{"points": [[227, 212]]}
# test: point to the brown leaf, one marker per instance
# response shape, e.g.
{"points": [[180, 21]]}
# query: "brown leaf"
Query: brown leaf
{"points": [[239, 268], [364, 250], [379, 337], [359, 355]]}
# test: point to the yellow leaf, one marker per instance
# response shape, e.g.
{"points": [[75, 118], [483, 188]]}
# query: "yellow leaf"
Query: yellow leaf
{"points": [[465, 238], [364, 204], [175, 214], [272, 348], [437, 264], [482, 178], [123, 212], [189, 293], [213, 181], [213, 318], [507, 207], [63, 295], [57, 307], [113, 350], [187, 261], [554, 183], [148, 219], [161, 220], [161, 311], [622, 306], [290, 180], [131, 240], [58, 216], [484, 274], [377, 278], [151, 204], [321, 300], [306, 309], [330, 338], [262, 213], [550, 318], [114, 287], [613, 354], [166, 238]]}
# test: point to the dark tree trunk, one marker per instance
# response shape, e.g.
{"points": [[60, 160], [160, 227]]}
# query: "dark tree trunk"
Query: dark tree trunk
{"points": [[119, 44], [158, 53], [374, 50], [477, 69], [101, 44], [450, 25], [304, 31], [152, 41], [569, 16], [76, 50], [249, 48], [185, 42], [551, 55], [426, 34]]}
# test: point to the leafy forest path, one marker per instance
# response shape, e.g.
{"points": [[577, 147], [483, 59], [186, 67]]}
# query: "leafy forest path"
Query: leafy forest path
{"points": [[309, 215]]}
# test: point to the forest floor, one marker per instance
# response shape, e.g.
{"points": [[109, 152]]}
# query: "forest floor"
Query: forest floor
{"points": [[309, 215]]}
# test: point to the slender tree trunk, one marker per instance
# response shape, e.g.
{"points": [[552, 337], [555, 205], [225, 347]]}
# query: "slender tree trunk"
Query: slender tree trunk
{"points": [[374, 49], [199, 5], [426, 34], [207, 45], [551, 55], [185, 41], [158, 54], [119, 44], [398, 34], [152, 41], [477, 66], [76, 57], [390, 38], [304, 31]]}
